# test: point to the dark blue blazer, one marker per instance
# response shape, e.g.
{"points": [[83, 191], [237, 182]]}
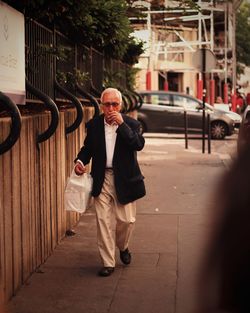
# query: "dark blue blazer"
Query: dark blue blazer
{"points": [[129, 182]]}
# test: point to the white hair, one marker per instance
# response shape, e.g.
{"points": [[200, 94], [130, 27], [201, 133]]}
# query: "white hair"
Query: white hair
{"points": [[107, 90]]}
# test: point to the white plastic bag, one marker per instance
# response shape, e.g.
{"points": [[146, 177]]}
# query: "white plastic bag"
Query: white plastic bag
{"points": [[77, 192]]}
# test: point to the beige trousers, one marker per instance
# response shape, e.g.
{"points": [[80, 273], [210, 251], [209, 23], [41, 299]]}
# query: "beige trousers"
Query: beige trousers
{"points": [[110, 212]]}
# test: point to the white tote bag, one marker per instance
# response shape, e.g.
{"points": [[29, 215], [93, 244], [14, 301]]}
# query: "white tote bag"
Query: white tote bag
{"points": [[78, 192]]}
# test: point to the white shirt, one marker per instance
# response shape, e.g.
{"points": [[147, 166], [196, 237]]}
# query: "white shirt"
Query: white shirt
{"points": [[110, 139]]}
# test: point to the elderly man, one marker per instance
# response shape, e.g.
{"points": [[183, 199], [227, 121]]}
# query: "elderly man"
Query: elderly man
{"points": [[111, 142]]}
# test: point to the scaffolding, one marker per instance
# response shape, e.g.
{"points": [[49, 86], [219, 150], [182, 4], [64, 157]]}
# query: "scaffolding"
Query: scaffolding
{"points": [[174, 31]]}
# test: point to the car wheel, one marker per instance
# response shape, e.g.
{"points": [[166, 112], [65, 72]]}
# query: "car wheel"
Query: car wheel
{"points": [[218, 130], [143, 127]]}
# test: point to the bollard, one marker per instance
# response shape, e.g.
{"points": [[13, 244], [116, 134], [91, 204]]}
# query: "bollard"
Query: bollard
{"points": [[208, 134], [203, 121], [186, 129], [212, 91]]}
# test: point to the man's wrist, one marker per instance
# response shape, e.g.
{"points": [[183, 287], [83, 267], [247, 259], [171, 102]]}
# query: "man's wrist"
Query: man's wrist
{"points": [[80, 162], [120, 123]]}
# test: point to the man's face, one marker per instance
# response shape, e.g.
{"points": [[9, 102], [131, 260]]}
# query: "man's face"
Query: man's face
{"points": [[110, 103]]}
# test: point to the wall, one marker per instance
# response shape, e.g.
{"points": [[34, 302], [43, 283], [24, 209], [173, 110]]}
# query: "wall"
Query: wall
{"points": [[32, 180]]}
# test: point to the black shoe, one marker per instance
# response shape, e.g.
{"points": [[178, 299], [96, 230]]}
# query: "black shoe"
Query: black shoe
{"points": [[125, 256], [106, 271]]}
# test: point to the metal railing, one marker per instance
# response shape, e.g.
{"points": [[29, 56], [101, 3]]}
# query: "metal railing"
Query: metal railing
{"points": [[15, 127], [51, 56], [50, 104], [97, 64], [39, 58]]}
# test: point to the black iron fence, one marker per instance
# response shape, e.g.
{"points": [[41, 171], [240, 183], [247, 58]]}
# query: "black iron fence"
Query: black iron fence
{"points": [[39, 44], [50, 55], [97, 61]]}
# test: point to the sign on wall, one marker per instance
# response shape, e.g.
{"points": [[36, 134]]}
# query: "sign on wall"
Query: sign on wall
{"points": [[12, 53], [206, 56]]}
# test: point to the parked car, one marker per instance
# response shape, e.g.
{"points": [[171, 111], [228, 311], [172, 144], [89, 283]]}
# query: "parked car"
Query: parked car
{"points": [[163, 111], [244, 131]]}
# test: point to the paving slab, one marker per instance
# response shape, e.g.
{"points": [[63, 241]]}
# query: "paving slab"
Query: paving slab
{"points": [[192, 236]]}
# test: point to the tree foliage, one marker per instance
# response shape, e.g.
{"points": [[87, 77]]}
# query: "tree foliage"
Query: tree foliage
{"points": [[243, 33], [103, 24]]}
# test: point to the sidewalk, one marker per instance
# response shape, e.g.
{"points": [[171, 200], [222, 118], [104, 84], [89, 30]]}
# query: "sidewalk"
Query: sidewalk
{"points": [[166, 245]]}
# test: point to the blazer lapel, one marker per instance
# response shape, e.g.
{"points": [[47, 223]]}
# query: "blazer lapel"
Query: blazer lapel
{"points": [[116, 149], [102, 137]]}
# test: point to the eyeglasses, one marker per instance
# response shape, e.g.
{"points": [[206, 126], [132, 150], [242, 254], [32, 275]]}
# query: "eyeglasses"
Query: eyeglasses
{"points": [[109, 104]]}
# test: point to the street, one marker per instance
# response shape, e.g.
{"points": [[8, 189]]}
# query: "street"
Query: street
{"points": [[166, 246]]}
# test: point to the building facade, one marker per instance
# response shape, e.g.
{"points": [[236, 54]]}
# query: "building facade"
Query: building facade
{"points": [[174, 38]]}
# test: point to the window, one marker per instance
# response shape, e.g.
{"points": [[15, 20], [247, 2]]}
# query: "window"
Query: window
{"points": [[179, 101], [192, 104], [187, 103], [164, 99], [160, 99], [147, 98]]}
